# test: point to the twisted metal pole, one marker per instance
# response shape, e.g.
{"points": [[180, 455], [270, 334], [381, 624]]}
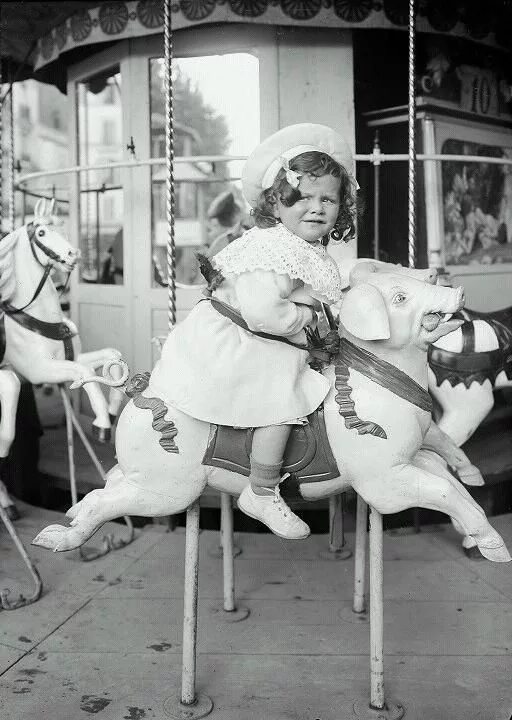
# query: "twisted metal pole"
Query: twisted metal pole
{"points": [[412, 148], [169, 159], [1, 126], [10, 165]]}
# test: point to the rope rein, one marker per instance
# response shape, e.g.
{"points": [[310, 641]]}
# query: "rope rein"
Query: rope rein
{"points": [[170, 196]]}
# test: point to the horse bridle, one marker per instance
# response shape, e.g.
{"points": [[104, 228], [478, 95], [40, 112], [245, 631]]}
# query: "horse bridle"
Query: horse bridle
{"points": [[32, 228]]}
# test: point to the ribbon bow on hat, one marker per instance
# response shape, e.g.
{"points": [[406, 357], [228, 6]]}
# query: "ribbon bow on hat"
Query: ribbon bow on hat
{"points": [[292, 177]]}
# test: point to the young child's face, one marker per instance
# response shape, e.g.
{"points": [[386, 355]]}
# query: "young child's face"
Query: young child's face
{"points": [[314, 215]]}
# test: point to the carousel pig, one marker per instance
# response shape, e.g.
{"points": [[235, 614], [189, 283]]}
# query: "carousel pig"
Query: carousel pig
{"points": [[377, 418]]}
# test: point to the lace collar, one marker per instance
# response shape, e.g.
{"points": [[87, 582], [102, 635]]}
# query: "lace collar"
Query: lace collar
{"points": [[281, 251]]}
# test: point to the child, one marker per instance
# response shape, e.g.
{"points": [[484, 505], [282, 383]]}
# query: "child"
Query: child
{"points": [[241, 358]]}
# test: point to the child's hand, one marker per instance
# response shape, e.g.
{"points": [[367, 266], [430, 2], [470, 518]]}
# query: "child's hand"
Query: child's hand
{"points": [[309, 314]]}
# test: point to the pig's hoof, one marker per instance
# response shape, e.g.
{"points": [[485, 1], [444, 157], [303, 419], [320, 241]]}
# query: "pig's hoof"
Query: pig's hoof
{"points": [[101, 434], [470, 475], [112, 418], [498, 553], [57, 538]]}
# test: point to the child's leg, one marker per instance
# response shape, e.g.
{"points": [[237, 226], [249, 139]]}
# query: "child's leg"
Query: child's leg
{"points": [[261, 499], [268, 444]]}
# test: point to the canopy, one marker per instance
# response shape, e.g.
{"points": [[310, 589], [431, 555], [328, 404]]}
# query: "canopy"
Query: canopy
{"points": [[23, 24], [48, 36]]}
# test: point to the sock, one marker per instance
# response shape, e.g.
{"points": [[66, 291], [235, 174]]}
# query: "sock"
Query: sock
{"points": [[264, 477]]}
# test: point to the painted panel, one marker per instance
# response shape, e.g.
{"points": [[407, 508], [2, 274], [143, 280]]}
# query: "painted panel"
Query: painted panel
{"points": [[485, 291]]}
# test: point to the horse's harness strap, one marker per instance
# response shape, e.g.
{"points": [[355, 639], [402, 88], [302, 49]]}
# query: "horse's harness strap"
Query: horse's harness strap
{"points": [[468, 367], [52, 331], [229, 312], [38, 289], [468, 337]]}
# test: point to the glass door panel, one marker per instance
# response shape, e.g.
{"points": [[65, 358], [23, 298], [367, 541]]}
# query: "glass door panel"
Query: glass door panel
{"points": [[100, 142], [216, 112]]}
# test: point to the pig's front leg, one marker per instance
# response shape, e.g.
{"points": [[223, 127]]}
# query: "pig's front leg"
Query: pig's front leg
{"points": [[442, 444]]}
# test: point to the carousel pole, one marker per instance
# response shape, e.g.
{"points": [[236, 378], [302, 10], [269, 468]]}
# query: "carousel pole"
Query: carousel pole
{"points": [[12, 210], [412, 171], [190, 705], [412, 139], [380, 707]]}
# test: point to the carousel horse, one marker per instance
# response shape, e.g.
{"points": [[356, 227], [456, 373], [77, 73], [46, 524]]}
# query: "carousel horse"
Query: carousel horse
{"points": [[377, 421], [36, 341], [466, 367]]}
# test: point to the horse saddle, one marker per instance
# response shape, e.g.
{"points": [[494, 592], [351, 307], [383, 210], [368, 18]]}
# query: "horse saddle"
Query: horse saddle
{"points": [[308, 456], [470, 366]]}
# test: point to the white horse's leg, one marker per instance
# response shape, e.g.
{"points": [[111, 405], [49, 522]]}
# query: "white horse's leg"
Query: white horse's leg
{"points": [[40, 370], [9, 394], [463, 408], [413, 486], [96, 359]]}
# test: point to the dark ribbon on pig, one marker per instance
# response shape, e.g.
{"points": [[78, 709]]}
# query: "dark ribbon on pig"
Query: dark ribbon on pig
{"points": [[384, 374]]}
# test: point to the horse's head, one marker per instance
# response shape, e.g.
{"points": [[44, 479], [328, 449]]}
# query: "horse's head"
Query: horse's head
{"points": [[47, 244]]}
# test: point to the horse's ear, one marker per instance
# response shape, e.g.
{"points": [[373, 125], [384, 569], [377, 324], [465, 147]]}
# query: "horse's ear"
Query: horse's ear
{"points": [[364, 314], [40, 208], [52, 210]]}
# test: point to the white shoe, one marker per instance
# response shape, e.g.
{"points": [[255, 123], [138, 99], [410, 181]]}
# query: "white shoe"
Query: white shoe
{"points": [[273, 512]]}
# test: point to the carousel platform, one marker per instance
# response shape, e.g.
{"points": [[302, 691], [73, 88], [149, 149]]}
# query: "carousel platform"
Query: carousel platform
{"points": [[105, 637]]}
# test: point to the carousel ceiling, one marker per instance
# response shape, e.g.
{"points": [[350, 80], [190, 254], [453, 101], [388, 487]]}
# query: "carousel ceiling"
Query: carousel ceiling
{"points": [[47, 36]]}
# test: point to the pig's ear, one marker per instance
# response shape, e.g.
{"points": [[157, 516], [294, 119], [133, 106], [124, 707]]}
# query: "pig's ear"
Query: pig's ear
{"points": [[364, 314], [361, 270]]}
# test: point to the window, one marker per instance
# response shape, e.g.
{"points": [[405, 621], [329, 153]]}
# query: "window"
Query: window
{"points": [[216, 112]]}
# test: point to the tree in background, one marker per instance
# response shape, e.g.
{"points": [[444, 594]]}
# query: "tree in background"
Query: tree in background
{"points": [[191, 113]]}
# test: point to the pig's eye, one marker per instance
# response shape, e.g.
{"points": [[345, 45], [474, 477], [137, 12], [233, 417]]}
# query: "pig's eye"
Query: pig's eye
{"points": [[400, 297]]}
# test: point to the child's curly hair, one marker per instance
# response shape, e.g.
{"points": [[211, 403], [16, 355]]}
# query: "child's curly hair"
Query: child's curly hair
{"points": [[315, 164]]}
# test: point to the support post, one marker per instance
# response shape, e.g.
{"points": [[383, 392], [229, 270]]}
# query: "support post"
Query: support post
{"points": [[231, 613], [226, 516], [190, 705], [188, 677], [379, 708], [359, 605], [337, 549], [376, 612], [226, 530], [5, 603]]}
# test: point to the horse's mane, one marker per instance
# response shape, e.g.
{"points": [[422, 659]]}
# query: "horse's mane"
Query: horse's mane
{"points": [[7, 274]]}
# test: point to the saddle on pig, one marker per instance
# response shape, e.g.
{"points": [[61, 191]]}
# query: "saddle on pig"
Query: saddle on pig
{"points": [[377, 417]]}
